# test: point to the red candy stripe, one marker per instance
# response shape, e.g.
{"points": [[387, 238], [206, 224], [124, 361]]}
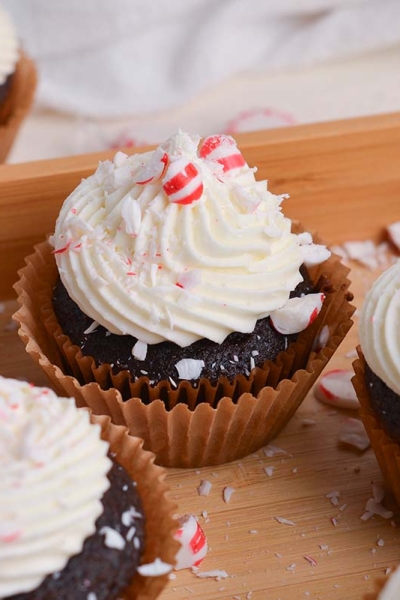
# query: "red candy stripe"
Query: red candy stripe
{"points": [[223, 150], [182, 182]]}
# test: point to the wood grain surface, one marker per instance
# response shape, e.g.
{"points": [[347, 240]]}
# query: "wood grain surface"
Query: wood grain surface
{"points": [[329, 553]]}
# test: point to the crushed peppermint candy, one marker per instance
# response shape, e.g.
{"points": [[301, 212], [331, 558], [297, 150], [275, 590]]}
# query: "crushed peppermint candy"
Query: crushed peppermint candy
{"points": [[352, 433], [227, 493], [189, 368], [216, 574], [336, 389], [310, 559], [374, 507], [113, 539], [139, 350], [284, 521], [154, 569], [271, 451], [204, 487], [269, 471], [128, 517], [333, 497], [92, 328], [91, 596]]}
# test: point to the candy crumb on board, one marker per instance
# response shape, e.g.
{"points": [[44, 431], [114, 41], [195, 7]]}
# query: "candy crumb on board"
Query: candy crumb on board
{"points": [[193, 541], [335, 388], [352, 433]]}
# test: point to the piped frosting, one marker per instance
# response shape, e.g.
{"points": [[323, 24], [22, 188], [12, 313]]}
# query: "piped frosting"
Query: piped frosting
{"points": [[178, 244], [53, 473]]}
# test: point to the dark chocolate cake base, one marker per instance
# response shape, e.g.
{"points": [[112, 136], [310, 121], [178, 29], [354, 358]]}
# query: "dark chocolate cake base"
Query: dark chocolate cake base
{"points": [[99, 569], [5, 88], [385, 403], [237, 354]]}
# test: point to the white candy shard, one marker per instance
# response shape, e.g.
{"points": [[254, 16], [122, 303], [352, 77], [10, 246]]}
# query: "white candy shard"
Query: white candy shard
{"points": [[227, 493], [204, 487], [194, 544], [284, 521], [335, 388], [353, 433], [314, 254], [376, 508], [153, 170], [139, 350], [189, 368], [113, 539], [154, 569], [297, 314], [215, 574], [131, 214], [322, 339], [92, 328], [362, 251]]}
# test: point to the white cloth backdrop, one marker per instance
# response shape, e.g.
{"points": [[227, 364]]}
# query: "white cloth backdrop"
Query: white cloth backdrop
{"points": [[115, 58]]}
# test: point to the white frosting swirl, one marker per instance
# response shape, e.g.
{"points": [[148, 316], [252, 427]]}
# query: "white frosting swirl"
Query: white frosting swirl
{"points": [[53, 473], [8, 46], [380, 326], [140, 264]]}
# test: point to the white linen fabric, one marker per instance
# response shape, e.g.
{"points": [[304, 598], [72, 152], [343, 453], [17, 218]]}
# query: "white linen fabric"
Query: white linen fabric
{"points": [[130, 57]]}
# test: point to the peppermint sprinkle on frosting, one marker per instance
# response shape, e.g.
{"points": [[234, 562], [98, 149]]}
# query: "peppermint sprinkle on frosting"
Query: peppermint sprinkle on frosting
{"points": [[53, 472]]}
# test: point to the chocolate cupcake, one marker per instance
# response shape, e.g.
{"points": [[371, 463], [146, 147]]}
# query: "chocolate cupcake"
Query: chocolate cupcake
{"points": [[377, 380], [17, 84], [174, 277], [72, 519]]}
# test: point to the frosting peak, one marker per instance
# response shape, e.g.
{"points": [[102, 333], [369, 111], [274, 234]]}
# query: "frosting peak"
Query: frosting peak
{"points": [[177, 244]]}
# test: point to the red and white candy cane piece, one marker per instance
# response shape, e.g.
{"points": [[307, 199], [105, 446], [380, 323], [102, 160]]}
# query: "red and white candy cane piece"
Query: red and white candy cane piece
{"points": [[223, 150], [335, 388], [154, 170], [182, 182], [297, 314], [193, 543]]}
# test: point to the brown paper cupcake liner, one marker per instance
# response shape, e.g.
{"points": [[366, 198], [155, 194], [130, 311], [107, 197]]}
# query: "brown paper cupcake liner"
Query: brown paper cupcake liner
{"points": [[160, 524], [17, 104], [187, 427], [387, 452]]}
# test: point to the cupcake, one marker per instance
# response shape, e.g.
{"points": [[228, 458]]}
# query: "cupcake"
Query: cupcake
{"points": [[377, 380], [81, 504], [17, 84], [175, 296]]}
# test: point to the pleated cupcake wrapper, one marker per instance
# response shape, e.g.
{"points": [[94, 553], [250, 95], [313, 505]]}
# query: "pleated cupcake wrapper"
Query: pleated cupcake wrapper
{"points": [[160, 524], [185, 427], [17, 104], [387, 452]]}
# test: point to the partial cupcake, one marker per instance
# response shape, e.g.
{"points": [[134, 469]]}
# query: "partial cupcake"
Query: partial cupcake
{"points": [[377, 380], [76, 498], [17, 84], [175, 281]]}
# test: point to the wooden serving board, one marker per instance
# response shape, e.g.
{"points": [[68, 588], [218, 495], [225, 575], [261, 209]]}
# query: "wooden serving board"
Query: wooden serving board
{"points": [[344, 181]]}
